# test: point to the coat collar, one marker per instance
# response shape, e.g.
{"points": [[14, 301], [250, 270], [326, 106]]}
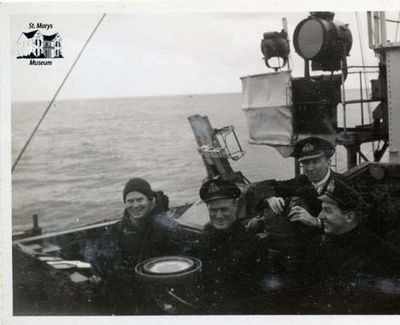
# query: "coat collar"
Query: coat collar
{"points": [[128, 222], [323, 181], [345, 238], [235, 228]]}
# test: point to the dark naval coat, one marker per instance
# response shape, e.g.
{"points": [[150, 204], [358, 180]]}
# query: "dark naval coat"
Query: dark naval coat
{"points": [[124, 245], [358, 253], [232, 263], [356, 272]]}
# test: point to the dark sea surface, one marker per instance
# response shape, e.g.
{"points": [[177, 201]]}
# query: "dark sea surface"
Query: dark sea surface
{"points": [[76, 166]]}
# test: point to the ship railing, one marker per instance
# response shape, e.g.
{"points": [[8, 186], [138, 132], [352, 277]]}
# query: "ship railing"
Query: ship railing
{"points": [[378, 29], [365, 95]]}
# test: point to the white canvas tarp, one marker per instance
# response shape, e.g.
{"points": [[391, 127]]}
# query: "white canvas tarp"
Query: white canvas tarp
{"points": [[266, 101]]}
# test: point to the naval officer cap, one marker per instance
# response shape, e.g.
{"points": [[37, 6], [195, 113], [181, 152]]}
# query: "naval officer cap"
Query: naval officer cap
{"points": [[343, 195], [312, 147], [218, 189]]}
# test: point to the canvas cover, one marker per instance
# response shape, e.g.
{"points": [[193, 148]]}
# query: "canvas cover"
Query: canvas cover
{"points": [[267, 103]]}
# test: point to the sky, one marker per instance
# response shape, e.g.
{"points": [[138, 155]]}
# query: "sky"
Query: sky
{"points": [[148, 53]]}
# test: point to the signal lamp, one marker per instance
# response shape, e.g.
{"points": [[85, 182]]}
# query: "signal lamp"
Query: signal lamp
{"points": [[275, 44], [323, 41]]}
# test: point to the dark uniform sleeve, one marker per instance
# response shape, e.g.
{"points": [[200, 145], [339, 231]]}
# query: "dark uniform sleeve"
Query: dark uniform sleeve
{"points": [[104, 253], [231, 271], [309, 272], [253, 261]]}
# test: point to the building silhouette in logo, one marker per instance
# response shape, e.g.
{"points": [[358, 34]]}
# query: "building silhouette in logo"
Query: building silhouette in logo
{"points": [[35, 45]]}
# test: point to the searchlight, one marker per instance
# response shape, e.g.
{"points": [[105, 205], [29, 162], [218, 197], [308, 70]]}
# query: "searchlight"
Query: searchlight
{"points": [[323, 41]]}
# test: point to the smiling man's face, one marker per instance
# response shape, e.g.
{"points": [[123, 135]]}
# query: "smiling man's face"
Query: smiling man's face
{"points": [[316, 168], [335, 220], [138, 205], [222, 213]]}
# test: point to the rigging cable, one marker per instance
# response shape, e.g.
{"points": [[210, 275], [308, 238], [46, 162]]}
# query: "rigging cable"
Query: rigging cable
{"points": [[397, 27], [365, 75], [56, 94]]}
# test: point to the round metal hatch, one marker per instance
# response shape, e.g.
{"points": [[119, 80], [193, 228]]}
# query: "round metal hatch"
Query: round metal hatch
{"points": [[180, 270], [168, 265]]}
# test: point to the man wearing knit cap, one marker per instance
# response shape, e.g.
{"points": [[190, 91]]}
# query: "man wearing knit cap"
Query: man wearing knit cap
{"points": [[138, 198], [349, 258], [230, 255], [144, 231]]}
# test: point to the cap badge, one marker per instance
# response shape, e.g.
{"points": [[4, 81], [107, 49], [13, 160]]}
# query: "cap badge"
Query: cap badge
{"points": [[308, 147], [331, 186], [213, 188]]}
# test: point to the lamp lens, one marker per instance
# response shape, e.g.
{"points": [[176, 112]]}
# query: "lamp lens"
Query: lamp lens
{"points": [[310, 39]]}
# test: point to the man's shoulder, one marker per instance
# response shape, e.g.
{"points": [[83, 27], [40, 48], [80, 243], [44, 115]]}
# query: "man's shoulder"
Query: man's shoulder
{"points": [[161, 220], [297, 179], [243, 235], [372, 241], [335, 175], [115, 228], [380, 256], [342, 178], [366, 244]]}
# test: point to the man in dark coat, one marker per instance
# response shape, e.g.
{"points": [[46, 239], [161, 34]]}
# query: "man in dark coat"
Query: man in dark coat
{"points": [[348, 260], [144, 232], [231, 257], [314, 155]]}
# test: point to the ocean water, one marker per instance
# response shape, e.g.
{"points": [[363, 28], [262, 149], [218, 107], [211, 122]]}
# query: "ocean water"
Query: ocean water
{"points": [[77, 164]]}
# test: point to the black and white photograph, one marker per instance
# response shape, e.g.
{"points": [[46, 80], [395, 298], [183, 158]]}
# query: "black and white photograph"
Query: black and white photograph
{"points": [[188, 160]]}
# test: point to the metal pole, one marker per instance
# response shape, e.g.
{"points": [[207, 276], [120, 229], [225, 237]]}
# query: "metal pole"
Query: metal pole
{"points": [[370, 30], [397, 28], [306, 69], [35, 221], [383, 28], [351, 156], [376, 28], [361, 97], [284, 24], [343, 101], [296, 168], [285, 28]]}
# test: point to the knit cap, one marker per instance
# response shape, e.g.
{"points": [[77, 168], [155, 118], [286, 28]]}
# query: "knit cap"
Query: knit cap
{"points": [[138, 185]]}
